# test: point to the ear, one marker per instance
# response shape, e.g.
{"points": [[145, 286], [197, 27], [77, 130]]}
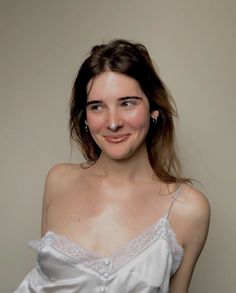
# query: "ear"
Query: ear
{"points": [[86, 123], [155, 114]]}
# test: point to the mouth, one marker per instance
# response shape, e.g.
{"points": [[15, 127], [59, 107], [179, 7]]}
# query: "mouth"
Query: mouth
{"points": [[116, 138]]}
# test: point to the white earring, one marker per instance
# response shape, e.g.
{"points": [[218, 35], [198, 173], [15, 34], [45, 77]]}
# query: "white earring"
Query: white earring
{"points": [[154, 120], [154, 116], [86, 126]]}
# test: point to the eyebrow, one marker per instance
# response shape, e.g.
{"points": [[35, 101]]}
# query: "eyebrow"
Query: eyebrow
{"points": [[120, 99]]}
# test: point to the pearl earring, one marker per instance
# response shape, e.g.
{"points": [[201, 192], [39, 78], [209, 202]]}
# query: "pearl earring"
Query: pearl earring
{"points": [[154, 120], [86, 126]]}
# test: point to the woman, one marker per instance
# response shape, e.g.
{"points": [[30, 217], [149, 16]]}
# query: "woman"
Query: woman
{"points": [[124, 221]]}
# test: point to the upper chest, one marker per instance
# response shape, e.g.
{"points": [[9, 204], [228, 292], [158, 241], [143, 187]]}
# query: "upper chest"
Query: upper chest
{"points": [[93, 201], [104, 216]]}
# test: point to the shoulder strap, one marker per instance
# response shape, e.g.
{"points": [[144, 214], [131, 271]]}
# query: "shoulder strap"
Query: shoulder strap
{"points": [[174, 198]]}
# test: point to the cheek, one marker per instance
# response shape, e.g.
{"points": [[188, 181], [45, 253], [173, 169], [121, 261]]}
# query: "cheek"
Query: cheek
{"points": [[139, 119], [95, 122]]}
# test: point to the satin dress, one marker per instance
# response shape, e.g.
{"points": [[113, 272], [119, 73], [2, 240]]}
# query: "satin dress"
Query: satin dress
{"points": [[145, 264]]}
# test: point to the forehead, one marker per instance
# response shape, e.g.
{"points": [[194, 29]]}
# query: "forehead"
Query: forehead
{"points": [[113, 85]]}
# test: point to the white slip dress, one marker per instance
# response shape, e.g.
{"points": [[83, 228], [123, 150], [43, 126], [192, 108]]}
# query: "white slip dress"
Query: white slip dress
{"points": [[145, 264]]}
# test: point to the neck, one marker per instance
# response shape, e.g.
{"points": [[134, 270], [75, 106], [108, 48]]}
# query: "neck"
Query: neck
{"points": [[136, 167]]}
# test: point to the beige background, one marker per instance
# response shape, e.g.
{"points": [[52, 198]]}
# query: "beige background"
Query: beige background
{"points": [[41, 46]]}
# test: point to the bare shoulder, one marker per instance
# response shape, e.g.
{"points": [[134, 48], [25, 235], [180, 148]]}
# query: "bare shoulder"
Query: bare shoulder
{"points": [[195, 206], [193, 217], [60, 170], [62, 176], [57, 183], [59, 175]]}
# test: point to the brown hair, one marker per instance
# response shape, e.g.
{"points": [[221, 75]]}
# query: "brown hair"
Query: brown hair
{"points": [[131, 59]]}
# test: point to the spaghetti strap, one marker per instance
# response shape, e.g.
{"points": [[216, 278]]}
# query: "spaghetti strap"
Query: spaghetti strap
{"points": [[174, 196]]}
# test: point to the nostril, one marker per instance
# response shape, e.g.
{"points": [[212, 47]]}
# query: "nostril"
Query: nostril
{"points": [[113, 126]]}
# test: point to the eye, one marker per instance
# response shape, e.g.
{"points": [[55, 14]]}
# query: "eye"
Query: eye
{"points": [[128, 103], [95, 107]]}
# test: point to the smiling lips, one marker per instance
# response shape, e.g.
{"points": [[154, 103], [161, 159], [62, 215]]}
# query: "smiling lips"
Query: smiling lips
{"points": [[116, 138]]}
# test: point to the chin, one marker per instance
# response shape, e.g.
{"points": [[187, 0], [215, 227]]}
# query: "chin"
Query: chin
{"points": [[119, 156]]}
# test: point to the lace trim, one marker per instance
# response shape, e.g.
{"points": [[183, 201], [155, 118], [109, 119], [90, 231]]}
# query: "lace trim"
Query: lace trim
{"points": [[107, 265], [176, 249]]}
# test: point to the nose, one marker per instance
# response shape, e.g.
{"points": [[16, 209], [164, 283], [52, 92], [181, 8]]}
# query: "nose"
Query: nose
{"points": [[114, 121]]}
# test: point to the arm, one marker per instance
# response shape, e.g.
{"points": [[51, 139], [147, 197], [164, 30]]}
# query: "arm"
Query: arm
{"points": [[195, 223], [53, 186]]}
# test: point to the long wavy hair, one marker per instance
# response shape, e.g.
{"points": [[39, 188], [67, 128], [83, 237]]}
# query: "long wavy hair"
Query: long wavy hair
{"points": [[133, 60]]}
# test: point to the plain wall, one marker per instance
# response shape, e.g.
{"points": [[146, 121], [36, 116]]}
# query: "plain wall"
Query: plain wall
{"points": [[42, 44]]}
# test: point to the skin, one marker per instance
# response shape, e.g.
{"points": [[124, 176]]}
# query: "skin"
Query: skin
{"points": [[116, 199]]}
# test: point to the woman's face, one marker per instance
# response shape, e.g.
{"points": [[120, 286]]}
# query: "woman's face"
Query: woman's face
{"points": [[118, 114]]}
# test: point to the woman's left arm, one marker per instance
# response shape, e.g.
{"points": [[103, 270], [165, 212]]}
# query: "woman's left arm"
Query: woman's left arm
{"points": [[196, 224]]}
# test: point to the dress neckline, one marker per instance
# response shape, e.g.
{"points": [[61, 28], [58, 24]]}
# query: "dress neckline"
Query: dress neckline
{"points": [[163, 219], [161, 229]]}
